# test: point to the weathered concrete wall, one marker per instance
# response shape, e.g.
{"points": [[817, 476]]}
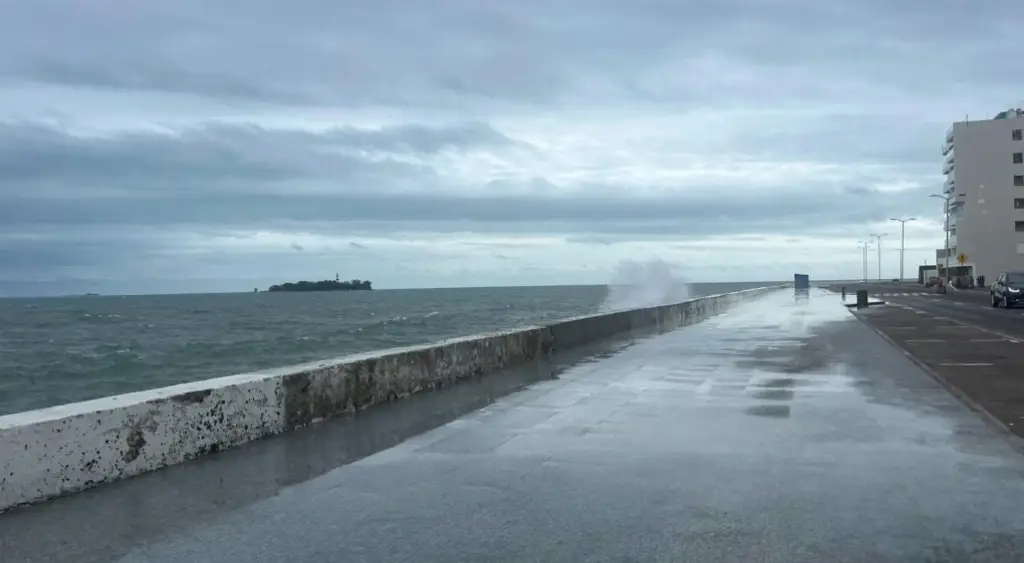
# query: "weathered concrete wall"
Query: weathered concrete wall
{"points": [[59, 450]]}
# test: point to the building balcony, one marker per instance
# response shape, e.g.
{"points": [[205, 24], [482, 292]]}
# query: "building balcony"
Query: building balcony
{"points": [[952, 241], [947, 146], [949, 134], [947, 167], [949, 186]]}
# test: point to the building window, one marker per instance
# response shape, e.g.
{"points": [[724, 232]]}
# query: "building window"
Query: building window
{"points": [[1018, 180], [1018, 203], [1017, 136], [1018, 158], [1018, 226]]}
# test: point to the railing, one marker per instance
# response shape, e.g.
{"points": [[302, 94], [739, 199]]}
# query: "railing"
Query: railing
{"points": [[949, 134], [947, 146], [948, 186], [948, 167]]}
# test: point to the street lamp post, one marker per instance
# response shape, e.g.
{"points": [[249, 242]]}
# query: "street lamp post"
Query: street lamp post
{"points": [[864, 249], [903, 238], [879, 249], [945, 251]]}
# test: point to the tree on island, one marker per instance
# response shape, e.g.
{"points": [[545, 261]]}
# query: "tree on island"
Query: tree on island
{"points": [[323, 285]]}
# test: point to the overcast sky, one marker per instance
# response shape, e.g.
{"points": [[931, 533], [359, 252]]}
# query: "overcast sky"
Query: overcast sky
{"points": [[217, 146]]}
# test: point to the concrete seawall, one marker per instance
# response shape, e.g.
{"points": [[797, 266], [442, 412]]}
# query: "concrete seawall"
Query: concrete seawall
{"points": [[59, 450]]}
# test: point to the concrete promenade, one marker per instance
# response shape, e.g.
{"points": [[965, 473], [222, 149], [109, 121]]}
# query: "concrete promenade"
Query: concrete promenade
{"points": [[786, 430]]}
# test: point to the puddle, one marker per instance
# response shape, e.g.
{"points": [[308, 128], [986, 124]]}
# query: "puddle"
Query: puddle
{"points": [[810, 356], [781, 383], [769, 411], [775, 394]]}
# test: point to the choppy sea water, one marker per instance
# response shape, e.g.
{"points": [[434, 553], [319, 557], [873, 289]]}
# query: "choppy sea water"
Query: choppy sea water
{"points": [[67, 349]]}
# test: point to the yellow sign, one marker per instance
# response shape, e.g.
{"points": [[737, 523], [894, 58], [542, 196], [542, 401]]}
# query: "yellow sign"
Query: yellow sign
{"points": [[961, 258]]}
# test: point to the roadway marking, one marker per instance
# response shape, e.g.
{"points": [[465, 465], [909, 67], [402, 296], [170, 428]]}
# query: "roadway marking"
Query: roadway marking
{"points": [[918, 294], [966, 364], [987, 308], [995, 332], [989, 340], [901, 327], [926, 340]]}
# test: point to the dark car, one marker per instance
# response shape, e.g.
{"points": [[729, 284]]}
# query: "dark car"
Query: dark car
{"points": [[1008, 289]]}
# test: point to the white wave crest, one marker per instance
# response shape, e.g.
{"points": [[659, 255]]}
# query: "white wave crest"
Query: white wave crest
{"points": [[645, 284]]}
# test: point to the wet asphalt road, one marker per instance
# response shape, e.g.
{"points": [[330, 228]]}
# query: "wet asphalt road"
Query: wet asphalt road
{"points": [[972, 307], [981, 367], [785, 430]]}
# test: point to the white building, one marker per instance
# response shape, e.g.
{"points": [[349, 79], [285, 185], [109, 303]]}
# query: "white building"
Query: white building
{"points": [[984, 168]]}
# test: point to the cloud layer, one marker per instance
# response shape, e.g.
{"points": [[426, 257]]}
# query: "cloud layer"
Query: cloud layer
{"points": [[162, 145]]}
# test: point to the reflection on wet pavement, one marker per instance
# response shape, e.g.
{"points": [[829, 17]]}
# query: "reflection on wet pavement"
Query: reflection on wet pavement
{"points": [[771, 411], [785, 430]]}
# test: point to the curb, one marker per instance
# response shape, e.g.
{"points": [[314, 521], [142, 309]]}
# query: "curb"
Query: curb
{"points": [[1016, 442]]}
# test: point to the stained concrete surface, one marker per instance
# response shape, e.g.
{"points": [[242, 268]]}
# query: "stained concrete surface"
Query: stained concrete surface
{"points": [[784, 430]]}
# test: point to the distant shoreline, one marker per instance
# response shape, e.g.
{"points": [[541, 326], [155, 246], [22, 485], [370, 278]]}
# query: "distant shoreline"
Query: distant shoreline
{"points": [[323, 285]]}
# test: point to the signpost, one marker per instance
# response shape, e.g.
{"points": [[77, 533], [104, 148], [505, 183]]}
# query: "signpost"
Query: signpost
{"points": [[961, 258]]}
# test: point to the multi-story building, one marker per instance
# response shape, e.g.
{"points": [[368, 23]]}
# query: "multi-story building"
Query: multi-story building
{"points": [[984, 187]]}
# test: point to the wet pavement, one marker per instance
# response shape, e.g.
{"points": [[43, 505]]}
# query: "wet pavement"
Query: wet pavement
{"points": [[786, 430], [974, 349], [970, 308]]}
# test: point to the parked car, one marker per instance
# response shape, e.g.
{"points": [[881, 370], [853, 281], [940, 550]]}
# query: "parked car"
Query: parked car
{"points": [[1006, 290]]}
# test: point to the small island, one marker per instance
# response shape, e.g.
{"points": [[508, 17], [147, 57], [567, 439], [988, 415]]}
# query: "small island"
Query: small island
{"points": [[323, 285]]}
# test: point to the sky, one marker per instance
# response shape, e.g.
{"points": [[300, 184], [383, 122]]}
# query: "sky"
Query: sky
{"points": [[185, 145]]}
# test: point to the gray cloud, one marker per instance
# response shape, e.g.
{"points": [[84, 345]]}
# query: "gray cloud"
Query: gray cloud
{"points": [[41, 257], [685, 214], [403, 51], [251, 177], [162, 120], [207, 157]]}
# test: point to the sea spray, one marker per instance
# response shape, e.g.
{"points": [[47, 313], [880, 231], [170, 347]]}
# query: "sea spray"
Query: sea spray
{"points": [[645, 284]]}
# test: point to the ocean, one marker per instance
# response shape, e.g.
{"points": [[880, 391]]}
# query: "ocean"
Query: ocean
{"points": [[59, 350]]}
